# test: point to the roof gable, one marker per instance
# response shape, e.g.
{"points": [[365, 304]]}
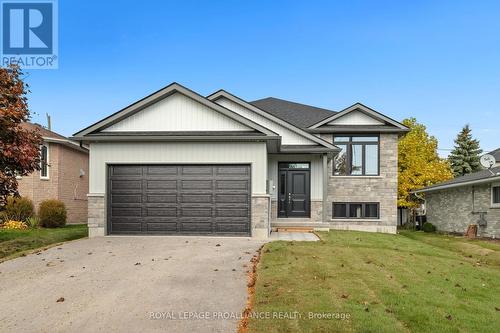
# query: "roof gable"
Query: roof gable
{"points": [[148, 103], [177, 112], [290, 134], [359, 115]]}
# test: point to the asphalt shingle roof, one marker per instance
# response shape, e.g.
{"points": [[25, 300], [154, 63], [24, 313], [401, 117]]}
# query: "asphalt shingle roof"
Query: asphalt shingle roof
{"points": [[43, 131], [297, 114], [496, 154], [479, 175]]}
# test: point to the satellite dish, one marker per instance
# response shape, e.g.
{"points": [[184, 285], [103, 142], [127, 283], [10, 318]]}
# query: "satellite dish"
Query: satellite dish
{"points": [[487, 161]]}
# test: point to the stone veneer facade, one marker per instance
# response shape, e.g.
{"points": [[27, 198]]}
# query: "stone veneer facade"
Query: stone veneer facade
{"points": [[452, 210], [382, 189]]}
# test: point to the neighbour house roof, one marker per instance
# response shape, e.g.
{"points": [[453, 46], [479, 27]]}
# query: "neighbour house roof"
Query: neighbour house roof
{"points": [[496, 154], [300, 115], [50, 136], [45, 133], [483, 176]]}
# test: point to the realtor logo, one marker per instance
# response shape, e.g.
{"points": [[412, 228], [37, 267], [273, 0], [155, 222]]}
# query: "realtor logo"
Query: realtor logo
{"points": [[29, 34]]}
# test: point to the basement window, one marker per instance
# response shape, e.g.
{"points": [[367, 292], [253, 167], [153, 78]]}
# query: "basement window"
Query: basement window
{"points": [[356, 210]]}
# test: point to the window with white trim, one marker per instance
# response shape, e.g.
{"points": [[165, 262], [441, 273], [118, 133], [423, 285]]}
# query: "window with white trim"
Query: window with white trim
{"points": [[44, 161]]}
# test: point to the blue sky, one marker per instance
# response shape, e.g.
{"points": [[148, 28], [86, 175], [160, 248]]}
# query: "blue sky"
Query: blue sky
{"points": [[438, 61]]}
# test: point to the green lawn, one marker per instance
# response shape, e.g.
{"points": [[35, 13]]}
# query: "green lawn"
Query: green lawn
{"points": [[412, 282], [14, 243]]}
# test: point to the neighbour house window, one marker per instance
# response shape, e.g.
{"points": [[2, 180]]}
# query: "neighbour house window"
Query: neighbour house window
{"points": [[495, 195], [359, 156], [358, 210], [44, 161]]}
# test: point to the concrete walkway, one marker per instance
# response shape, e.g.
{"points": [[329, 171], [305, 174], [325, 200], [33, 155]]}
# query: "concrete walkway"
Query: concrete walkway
{"points": [[128, 284], [294, 236]]}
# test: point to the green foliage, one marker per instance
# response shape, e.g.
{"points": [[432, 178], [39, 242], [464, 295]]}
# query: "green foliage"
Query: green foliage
{"points": [[33, 222], [18, 208], [428, 227], [419, 164], [52, 213], [464, 158]]}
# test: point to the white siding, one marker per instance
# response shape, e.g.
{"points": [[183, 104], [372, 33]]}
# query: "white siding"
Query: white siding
{"points": [[177, 113], [288, 137], [253, 153], [316, 172], [356, 118]]}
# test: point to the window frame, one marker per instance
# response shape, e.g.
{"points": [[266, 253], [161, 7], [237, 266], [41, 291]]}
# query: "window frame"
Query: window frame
{"points": [[47, 165], [349, 144], [363, 210], [493, 203]]}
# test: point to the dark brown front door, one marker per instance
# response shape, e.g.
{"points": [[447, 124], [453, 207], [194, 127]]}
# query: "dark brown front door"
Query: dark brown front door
{"points": [[294, 190]]}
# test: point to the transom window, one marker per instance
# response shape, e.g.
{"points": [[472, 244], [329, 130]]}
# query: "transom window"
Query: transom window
{"points": [[495, 195], [359, 156], [356, 210]]}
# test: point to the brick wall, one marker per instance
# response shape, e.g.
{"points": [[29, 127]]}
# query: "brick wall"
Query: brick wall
{"points": [[63, 182], [451, 210]]}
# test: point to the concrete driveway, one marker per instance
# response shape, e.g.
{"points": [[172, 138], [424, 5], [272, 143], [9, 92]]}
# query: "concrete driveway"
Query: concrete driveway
{"points": [[117, 284]]}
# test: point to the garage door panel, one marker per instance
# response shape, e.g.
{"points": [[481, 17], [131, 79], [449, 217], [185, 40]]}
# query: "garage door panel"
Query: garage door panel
{"points": [[161, 170], [127, 227], [231, 198], [161, 211], [196, 198], [196, 211], [163, 226], [161, 198], [126, 185], [201, 184], [186, 199], [197, 170], [126, 199], [199, 226], [155, 185], [126, 170], [232, 185], [126, 211]]}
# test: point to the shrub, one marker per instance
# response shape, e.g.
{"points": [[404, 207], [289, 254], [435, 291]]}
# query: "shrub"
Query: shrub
{"points": [[428, 227], [33, 222], [14, 225], [52, 213], [18, 208]]}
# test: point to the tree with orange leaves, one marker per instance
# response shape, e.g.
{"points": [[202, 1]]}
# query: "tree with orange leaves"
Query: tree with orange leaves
{"points": [[19, 148]]}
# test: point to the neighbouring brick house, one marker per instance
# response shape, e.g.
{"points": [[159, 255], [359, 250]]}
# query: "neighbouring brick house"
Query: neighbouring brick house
{"points": [[472, 199], [63, 174]]}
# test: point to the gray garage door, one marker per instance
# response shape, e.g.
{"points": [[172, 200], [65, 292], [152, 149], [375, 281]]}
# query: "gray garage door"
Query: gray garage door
{"points": [[179, 199]]}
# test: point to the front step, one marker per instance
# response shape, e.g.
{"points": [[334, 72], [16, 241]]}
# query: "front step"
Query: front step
{"points": [[295, 229]]}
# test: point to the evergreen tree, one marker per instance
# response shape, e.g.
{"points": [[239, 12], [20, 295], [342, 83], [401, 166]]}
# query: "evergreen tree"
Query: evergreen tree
{"points": [[464, 158]]}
